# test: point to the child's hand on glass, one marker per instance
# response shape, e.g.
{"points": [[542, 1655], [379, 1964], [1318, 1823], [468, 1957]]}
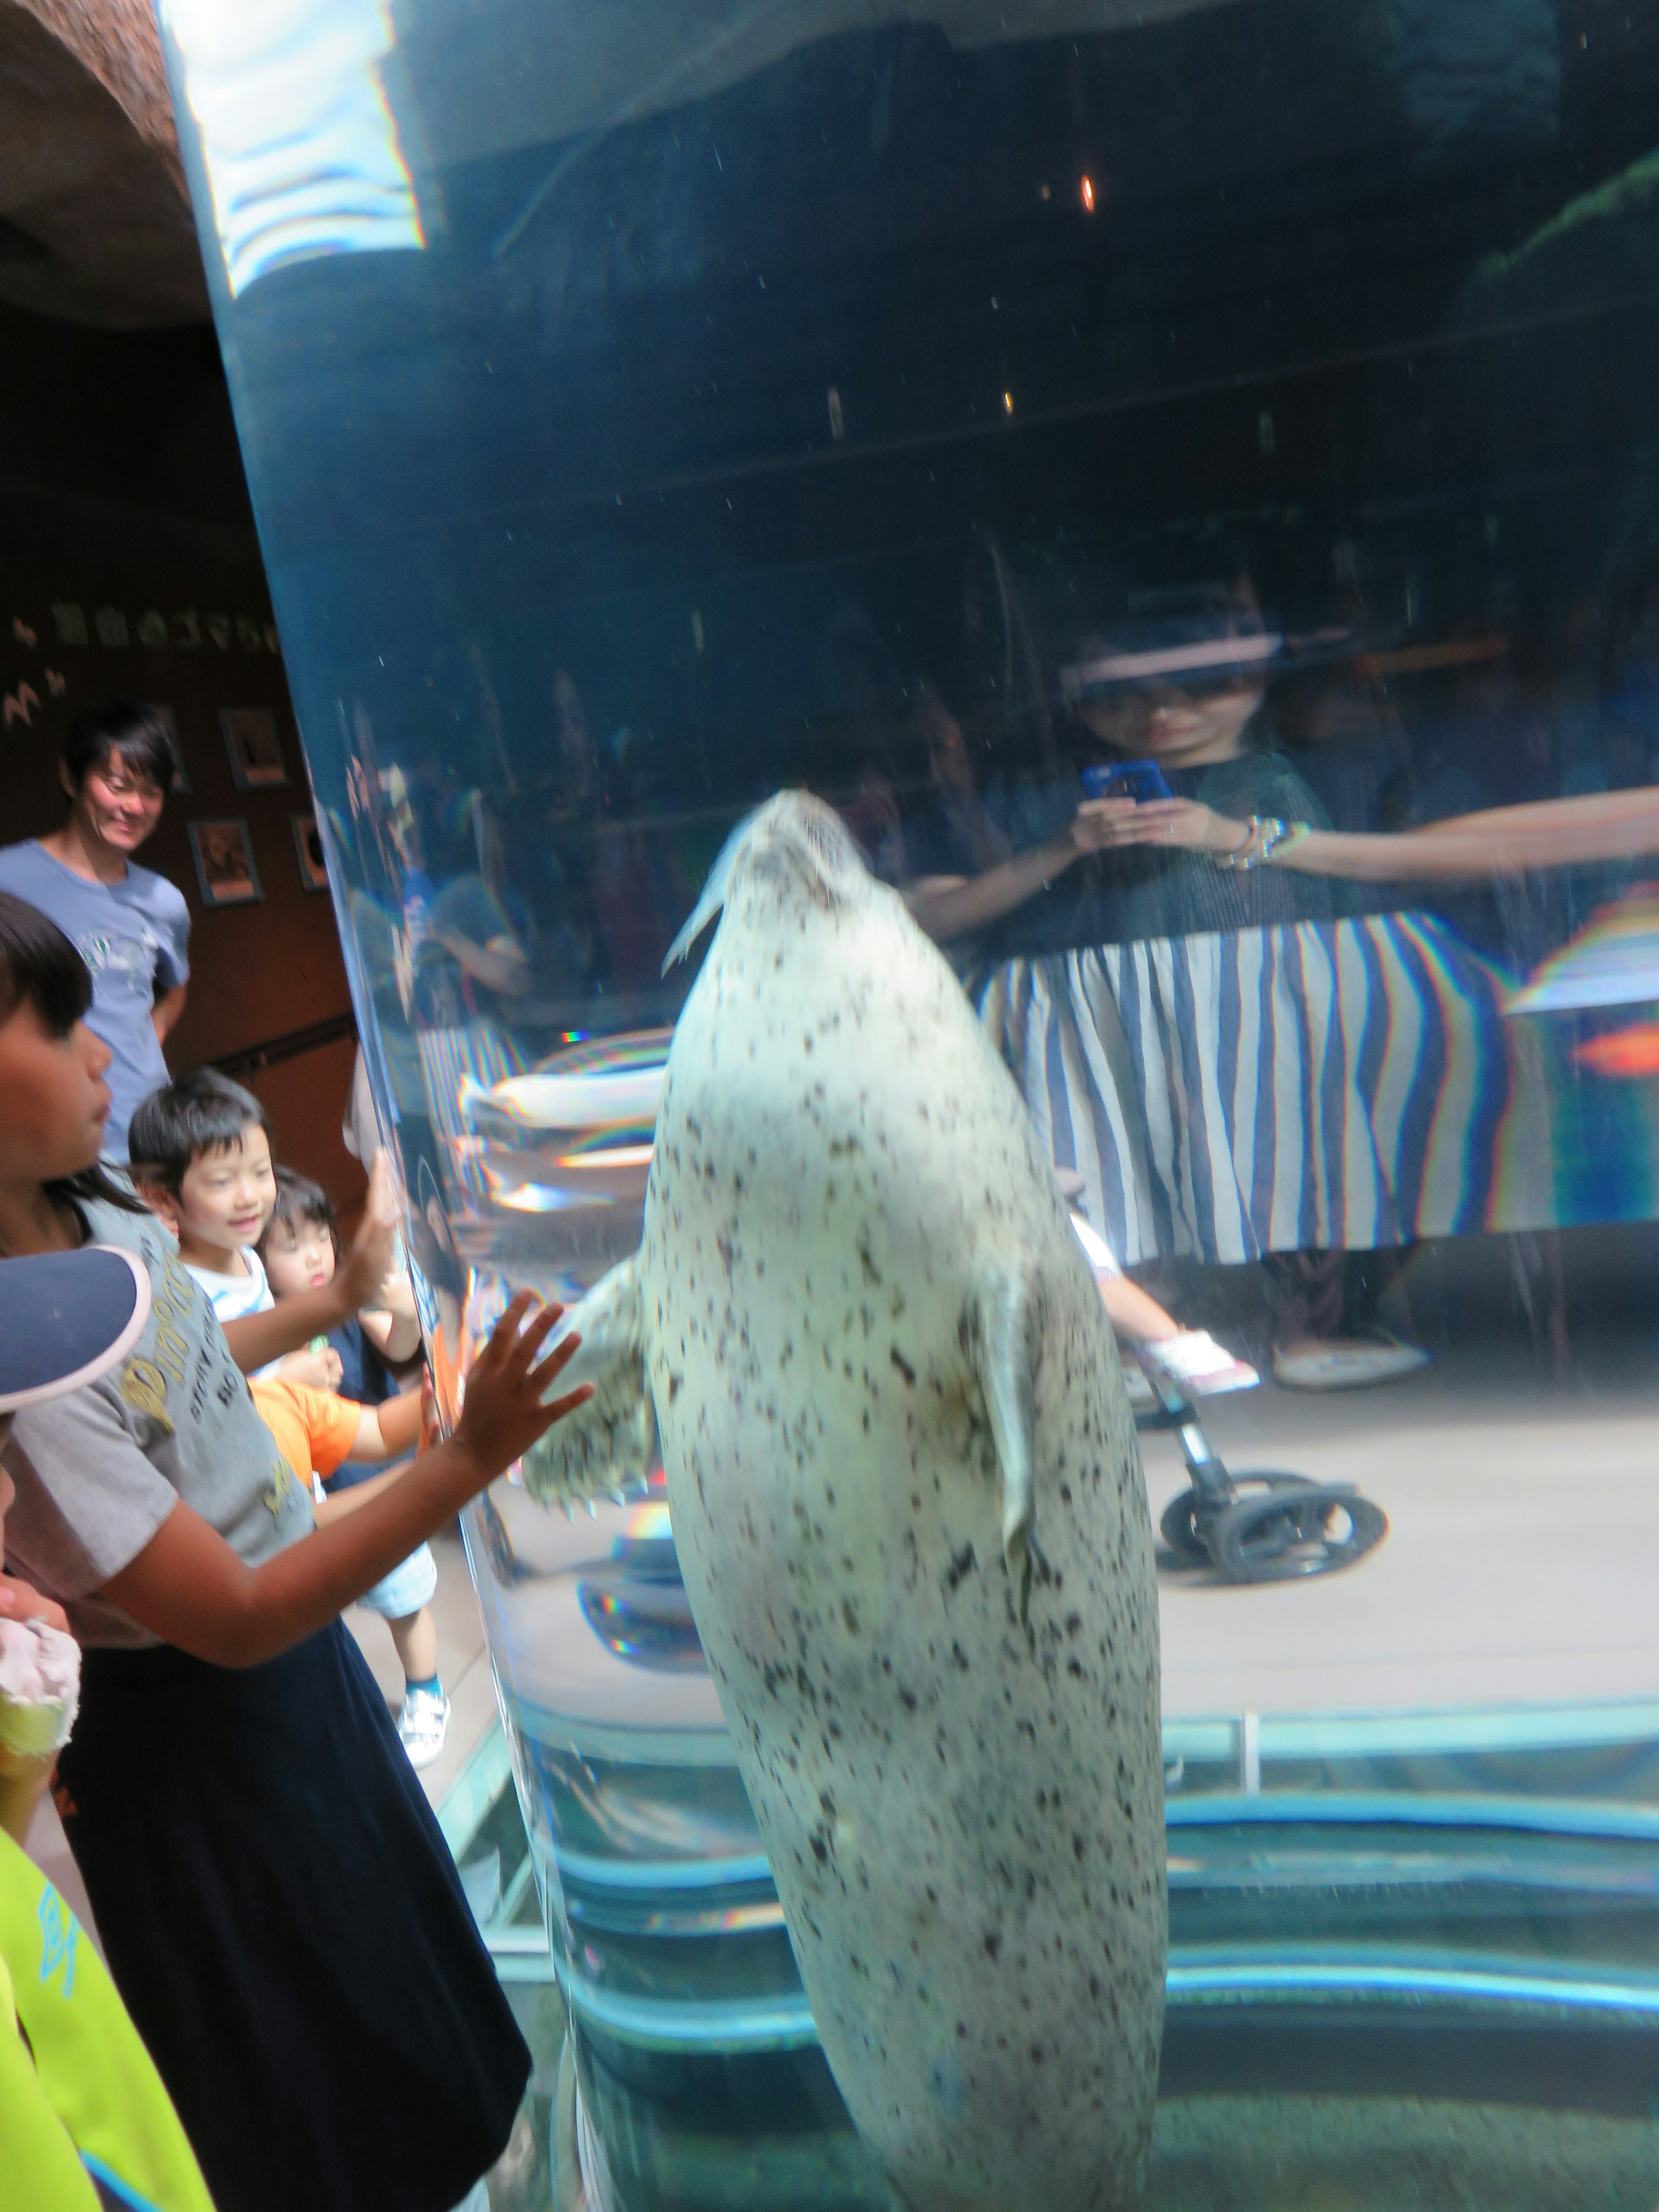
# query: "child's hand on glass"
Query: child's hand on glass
{"points": [[365, 1267], [505, 1408], [396, 1296]]}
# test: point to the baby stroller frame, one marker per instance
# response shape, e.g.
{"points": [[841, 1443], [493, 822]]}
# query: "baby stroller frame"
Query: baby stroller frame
{"points": [[1262, 1528]]}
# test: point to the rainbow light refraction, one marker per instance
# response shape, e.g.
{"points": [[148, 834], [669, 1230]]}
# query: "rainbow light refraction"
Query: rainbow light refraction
{"points": [[1613, 961]]}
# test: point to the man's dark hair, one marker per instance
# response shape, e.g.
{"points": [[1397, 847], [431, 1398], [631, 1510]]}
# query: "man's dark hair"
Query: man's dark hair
{"points": [[301, 1202], [201, 1112], [139, 734], [39, 964]]}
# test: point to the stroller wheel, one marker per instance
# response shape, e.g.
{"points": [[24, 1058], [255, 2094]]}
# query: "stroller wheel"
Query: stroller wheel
{"points": [[1181, 1525], [1295, 1531]]}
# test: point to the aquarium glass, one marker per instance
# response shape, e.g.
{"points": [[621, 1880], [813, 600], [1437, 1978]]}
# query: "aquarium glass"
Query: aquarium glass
{"points": [[1181, 480]]}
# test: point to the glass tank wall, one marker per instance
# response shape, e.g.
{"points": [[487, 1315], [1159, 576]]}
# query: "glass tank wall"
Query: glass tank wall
{"points": [[1181, 483]]}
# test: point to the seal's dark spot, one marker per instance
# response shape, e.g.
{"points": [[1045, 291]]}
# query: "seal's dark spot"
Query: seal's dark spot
{"points": [[962, 1564], [903, 1366], [993, 1943]]}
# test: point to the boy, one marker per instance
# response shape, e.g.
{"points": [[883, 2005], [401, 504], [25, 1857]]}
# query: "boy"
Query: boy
{"points": [[201, 1160], [301, 1251], [83, 2118]]}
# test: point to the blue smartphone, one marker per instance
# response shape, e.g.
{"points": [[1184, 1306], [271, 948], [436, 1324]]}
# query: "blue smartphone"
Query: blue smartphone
{"points": [[1137, 780]]}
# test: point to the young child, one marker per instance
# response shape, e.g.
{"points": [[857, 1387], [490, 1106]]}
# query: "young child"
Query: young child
{"points": [[278, 1907], [84, 2120], [301, 1249], [201, 1159], [318, 1432]]}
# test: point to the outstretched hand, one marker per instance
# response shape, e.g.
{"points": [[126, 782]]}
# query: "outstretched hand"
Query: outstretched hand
{"points": [[366, 1265], [503, 1412]]}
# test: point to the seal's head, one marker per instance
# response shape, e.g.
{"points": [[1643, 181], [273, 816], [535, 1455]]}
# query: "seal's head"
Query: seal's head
{"points": [[794, 843]]}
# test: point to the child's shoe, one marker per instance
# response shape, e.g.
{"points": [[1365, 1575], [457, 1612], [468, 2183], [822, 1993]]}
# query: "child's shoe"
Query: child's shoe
{"points": [[423, 1725]]}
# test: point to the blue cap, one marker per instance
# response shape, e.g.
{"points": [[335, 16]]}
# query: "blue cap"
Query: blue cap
{"points": [[66, 1318]]}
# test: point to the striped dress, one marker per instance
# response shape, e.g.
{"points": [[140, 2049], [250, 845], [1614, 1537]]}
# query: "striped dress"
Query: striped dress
{"points": [[1316, 1084]]}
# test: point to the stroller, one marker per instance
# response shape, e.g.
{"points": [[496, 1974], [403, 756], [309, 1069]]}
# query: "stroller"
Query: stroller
{"points": [[1258, 1527], [1263, 1528]]}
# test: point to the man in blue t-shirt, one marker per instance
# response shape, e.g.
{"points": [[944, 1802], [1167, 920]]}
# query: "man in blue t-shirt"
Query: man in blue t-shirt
{"points": [[130, 926]]}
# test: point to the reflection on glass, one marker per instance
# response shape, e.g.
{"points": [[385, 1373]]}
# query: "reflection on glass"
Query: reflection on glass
{"points": [[1180, 485]]}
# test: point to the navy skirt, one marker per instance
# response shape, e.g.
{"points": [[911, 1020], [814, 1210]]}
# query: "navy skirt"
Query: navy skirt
{"points": [[283, 1919]]}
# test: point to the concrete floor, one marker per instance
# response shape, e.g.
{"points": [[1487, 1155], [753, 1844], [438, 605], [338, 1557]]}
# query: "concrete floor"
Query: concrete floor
{"points": [[1520, 1566], [1521, 1562]]}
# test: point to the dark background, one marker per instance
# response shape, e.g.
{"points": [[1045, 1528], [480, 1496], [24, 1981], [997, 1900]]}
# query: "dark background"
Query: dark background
{"points": [[121, 486]]}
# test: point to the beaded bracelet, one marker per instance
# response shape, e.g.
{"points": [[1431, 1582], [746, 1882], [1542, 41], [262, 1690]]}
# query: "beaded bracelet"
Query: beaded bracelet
{"points": [[1267, 837]]}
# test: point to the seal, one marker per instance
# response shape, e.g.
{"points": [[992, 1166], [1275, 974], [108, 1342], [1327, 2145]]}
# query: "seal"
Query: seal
{"points": [[906, 1493]]}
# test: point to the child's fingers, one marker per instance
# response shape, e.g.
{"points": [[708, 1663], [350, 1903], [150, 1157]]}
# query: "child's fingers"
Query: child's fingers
{"points": [[504, 1335], [556, 1362], [19, 1602], [561, 1407], [522, 1349]]}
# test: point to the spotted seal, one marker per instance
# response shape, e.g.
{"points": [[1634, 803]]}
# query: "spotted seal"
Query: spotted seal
{"points": [[907, 1499]]}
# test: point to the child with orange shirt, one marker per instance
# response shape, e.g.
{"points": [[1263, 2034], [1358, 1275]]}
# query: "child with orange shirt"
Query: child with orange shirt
{"points": [[317, 1433]]}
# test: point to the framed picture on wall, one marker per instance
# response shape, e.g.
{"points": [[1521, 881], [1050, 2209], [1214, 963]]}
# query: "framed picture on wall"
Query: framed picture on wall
{"points": [[255, 749], [224, 863], [308, 844], [180, 775]]}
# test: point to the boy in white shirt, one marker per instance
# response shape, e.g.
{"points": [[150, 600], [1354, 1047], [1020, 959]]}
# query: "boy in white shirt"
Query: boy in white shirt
{"points": [[201, 1160], [201, 1153]]}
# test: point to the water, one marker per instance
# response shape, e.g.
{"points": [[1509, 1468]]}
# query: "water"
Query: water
{"points": [[648, 411]]}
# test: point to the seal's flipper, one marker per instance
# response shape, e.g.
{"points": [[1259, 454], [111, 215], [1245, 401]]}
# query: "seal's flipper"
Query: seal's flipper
{"points": [[712, 895], [611, 1441], [1003, 1340]]}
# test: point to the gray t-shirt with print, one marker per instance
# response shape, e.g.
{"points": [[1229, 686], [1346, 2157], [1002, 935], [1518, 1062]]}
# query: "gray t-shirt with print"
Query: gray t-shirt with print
{"points": [[98, 1471], [135, 937]]}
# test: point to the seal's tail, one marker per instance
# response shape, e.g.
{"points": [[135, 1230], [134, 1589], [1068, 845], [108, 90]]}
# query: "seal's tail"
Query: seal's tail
{"points": [[793, 833]]}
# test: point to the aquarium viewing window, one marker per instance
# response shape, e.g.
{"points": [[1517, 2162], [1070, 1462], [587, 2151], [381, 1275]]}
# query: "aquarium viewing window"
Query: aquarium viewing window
{"points": [[982, 691]]}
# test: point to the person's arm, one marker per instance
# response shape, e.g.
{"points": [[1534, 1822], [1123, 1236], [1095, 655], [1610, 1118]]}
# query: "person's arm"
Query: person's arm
{"points": [[333, 1506], [395, 1337], [392, 1324], [188, 1586], [164, 1014], [498, 966], [1135, 1313], [946, 909], [259, 1339], [1464, 849], [388, 1431]]}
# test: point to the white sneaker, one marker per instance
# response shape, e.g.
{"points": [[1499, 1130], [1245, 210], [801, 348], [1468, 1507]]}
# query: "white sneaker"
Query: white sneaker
{"points": [[1194, 1360], [423, 1725], [1345, 1362]]}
